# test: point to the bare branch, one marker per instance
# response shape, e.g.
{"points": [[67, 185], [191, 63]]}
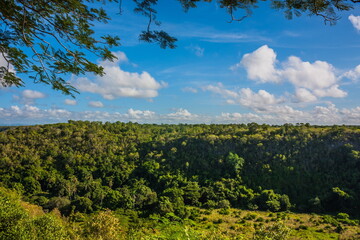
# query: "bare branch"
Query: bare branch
{"points": [[230, 10], [150, 20]]}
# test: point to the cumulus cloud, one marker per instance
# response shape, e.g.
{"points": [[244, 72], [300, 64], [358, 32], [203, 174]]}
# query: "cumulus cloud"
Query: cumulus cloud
{"points": [[310, 80], [139, 115], [353, 74], [259, 101], [96, 104], [317, 75], [271, 109], [332, 91], [328, 114], [29, 97], [304, 95], [117, 83], [260, 65], [32, 94], [71, 102], [182, 114], [355, 20]]}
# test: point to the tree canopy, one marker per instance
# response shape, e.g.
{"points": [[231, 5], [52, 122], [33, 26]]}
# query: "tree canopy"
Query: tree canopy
{"points": [[47, 39], [88, 166]]}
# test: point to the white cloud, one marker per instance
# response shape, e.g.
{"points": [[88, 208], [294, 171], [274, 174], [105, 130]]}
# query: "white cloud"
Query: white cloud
{"points": [[260, 65], [32, 94], [121, 57], [355, 20], [118, 83], [182, 114], [71, 102], [332, 91], [304, 95], [139, 115], [317, 75], [316, 79], [328, 115], [238, 118], [29, 97], [311, 80], [352, 115], [260, 101], [353, 74], [96, 104], [289, 114], [58, 113]]}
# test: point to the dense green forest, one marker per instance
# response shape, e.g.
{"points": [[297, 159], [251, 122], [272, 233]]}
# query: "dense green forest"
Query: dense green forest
{"points": [[175, 171]]}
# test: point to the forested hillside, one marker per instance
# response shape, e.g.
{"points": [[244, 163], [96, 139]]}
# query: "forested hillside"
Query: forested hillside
{"points": [[88, 166]]}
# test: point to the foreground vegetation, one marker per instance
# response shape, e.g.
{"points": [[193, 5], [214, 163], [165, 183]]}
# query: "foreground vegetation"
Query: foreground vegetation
{"points": [[21, 220], [179, 181]]}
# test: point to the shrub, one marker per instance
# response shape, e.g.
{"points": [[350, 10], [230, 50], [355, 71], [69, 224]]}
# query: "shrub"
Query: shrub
{"points": [[210, 204], [303, 227], [218, 221], [342, 216], [224, 211], [250, 216], [277, 231], [224, 204], [103, 225]]}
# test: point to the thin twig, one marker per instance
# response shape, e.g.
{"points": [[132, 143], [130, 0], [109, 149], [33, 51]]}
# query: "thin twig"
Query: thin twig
{"points": [[150, 20], [230, 9]]}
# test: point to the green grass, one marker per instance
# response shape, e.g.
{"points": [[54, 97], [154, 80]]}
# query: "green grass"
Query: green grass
{"points": [[243, 225]]}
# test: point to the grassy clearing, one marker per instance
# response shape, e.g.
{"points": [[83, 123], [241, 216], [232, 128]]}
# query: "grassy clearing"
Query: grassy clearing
{"points": [[243, 224]]}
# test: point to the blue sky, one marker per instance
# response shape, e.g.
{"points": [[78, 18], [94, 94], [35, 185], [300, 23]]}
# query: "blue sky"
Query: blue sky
{"points": [[264, 69]]}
